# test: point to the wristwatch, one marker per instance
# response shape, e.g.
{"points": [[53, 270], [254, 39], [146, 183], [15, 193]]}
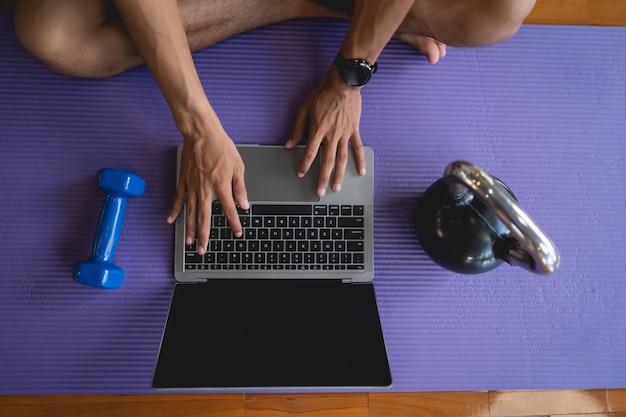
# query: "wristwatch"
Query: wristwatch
{"points": [[354, 71]]}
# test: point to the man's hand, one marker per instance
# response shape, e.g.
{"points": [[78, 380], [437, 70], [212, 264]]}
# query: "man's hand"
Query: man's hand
{"points": [[332, 111], [211, 168]]}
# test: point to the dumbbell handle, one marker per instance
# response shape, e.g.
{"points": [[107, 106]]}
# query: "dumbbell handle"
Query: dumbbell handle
{"points": [[109, 228]]}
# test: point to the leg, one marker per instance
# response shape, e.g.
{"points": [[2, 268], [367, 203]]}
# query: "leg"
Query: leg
{"points": [[87, 38], [466, 22]]}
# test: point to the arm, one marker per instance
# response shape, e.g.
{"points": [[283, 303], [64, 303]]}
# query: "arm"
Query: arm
{"points": [[211, 167], [333, 109]]}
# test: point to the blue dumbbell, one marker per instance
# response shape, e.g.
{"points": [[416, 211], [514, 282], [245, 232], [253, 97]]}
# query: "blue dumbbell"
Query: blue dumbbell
{"points": [[99, 271]]}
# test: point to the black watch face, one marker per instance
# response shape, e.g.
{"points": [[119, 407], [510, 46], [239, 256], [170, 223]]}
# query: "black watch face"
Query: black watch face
{"points": [[358, 75]]}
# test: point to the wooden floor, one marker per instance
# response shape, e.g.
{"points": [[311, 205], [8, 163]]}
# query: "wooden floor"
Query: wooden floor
{"points": [[591, 403]]}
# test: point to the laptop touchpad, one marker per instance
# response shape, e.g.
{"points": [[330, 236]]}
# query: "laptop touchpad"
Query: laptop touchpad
{"points": [[271, 174]]}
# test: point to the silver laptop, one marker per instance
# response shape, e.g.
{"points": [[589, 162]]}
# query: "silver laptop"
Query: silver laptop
{"points": [[290, 304]]}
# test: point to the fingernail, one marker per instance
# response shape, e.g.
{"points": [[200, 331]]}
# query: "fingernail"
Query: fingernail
{"points": [[170, 220], [337, 187], [362, 171], [238, 234], [321, 192], [245, 204], [201, 251], [189, 241], [300, 174]]}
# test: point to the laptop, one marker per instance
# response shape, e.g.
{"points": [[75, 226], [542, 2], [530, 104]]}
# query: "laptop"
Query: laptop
{"points": [[289, 305]]}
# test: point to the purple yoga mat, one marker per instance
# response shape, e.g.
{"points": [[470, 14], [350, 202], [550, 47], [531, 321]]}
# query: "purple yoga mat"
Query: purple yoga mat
{"points": [[545, 112]]}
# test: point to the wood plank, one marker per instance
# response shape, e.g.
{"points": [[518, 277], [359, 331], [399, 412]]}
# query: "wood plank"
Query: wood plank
{"points": [[307, 405], [616, 399], [607, 13], [534, 403], [123, 405], [560, 12], [436, 404]]}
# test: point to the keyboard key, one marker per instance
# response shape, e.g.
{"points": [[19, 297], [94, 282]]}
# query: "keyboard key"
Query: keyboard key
{"points": [[346, 210], [320, 210], [357, 210], [355, 246], [275, 234], [281, 210], [353, 222], [333, 210], [358, 258], [353, 234], [193, 258]]}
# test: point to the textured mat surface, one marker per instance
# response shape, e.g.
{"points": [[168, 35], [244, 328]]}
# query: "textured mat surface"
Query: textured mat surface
{"points": [[544, 111]]}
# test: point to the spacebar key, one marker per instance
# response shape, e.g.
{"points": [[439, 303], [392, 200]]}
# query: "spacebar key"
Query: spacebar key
{"points": [[282, 210]]}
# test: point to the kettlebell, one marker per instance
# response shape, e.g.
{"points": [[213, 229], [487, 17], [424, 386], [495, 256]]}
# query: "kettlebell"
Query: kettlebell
{"points": [[470, 222]]}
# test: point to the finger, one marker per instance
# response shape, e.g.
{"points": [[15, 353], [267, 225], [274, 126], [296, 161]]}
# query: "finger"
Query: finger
{"points": [[230, 211], [239, 191], [205, 207], [341, 161], [359, 154], [190, 219], [309, 155], [298, 130], [328, 163], [179, 202]]}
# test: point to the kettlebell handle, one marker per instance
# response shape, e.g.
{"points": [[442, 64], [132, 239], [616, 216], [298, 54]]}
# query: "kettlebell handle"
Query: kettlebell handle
{"points": [[534, 251]]}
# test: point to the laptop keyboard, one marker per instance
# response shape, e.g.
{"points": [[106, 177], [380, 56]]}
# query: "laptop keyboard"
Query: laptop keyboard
{"points": [[285, 237]]}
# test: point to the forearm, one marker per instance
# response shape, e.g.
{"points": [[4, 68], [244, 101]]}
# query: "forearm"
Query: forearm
{"points": [[158, 33], [372, 25]]}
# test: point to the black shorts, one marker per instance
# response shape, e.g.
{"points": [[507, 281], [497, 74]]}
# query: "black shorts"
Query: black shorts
{"points": [[343, 6]]}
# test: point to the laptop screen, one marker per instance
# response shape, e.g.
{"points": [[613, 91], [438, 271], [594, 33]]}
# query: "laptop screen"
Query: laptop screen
{"points": [[272, 334]]}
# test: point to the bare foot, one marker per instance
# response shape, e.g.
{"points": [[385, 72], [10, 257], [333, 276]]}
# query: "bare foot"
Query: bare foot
{"points": [[433, 50]]}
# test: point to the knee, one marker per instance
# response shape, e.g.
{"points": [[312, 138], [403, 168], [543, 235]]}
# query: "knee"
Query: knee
{"points": [[55, 44], [492, 21], [503, 18]]}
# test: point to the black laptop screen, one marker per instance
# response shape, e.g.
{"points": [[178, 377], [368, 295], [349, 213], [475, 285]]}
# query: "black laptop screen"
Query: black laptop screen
{"points": [[265, 334]]}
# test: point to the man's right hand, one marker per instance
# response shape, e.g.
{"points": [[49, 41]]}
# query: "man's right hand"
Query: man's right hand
{"points": [[210, 169]]}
